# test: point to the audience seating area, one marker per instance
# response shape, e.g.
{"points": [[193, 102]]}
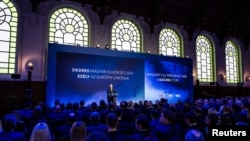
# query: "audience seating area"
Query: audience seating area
{"points": [[141, 120]]}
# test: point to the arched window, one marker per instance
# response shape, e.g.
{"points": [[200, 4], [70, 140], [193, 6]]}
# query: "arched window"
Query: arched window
{"points": [[125, 36], [68, 26], [204, 59], [8, 33], [170, 43], [232, 62]]}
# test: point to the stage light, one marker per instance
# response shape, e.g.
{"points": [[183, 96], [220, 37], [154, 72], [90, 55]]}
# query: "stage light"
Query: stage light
{"points": [[107, 46]]}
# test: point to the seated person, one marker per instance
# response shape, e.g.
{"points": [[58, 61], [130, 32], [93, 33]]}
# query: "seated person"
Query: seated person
{"points": [[41, 132], [95, 125], [8, 126], [113, 133]]}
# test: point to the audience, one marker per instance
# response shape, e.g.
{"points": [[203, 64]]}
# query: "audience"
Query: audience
{"points": [[140, 121]]}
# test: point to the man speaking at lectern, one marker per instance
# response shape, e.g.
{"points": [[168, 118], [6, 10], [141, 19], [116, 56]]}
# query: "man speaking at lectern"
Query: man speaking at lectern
{"points": [[111, 94]]}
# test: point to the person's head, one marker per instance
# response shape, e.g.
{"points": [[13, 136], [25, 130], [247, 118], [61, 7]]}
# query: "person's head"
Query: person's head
{"points": [[75, 106], [194, 135], [190, 118], [211, 111], [142, 122], [82, 103], [94, 117], [58, 109], [225, 119], [112, 121], [103, 104], [37, 111], [9, 122], [93, 106], [110, 86], [155, 113], [71, 117], [78, 131], [40, 132], [57, 102], [212, 119], [167, 116]]}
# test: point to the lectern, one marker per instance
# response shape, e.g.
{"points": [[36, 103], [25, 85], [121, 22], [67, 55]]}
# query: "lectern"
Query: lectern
{"points": [[114, 95]]}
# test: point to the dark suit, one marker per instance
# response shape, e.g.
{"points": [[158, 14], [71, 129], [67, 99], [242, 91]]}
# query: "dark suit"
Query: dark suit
{"points": [[110, 96]]}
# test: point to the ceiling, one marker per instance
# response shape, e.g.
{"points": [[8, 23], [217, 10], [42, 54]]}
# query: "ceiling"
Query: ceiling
{"points": [[225, 18]]}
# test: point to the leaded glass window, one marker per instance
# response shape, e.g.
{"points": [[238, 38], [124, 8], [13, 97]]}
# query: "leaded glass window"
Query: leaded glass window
{"points": [[68, 26], [204, 59], [125, 36], [170, 43], [8, 33], [232, 63]]}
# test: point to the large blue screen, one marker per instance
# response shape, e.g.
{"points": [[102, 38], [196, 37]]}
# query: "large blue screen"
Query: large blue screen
{"points": [[84, 73]]}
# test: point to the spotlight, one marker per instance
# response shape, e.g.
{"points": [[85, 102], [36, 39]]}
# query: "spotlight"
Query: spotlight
{"points": [[107, 46]]}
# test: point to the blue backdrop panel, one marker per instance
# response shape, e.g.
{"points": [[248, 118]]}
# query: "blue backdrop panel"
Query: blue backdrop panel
{"points": [[84, 73], [170, 79]]}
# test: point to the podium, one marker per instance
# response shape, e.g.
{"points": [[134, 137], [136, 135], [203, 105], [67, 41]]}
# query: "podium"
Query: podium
{"points": [[114, 95]]}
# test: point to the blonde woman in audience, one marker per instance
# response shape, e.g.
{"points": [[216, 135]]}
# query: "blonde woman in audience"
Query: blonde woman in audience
{"points": [[78, 131], [40, 132]]}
